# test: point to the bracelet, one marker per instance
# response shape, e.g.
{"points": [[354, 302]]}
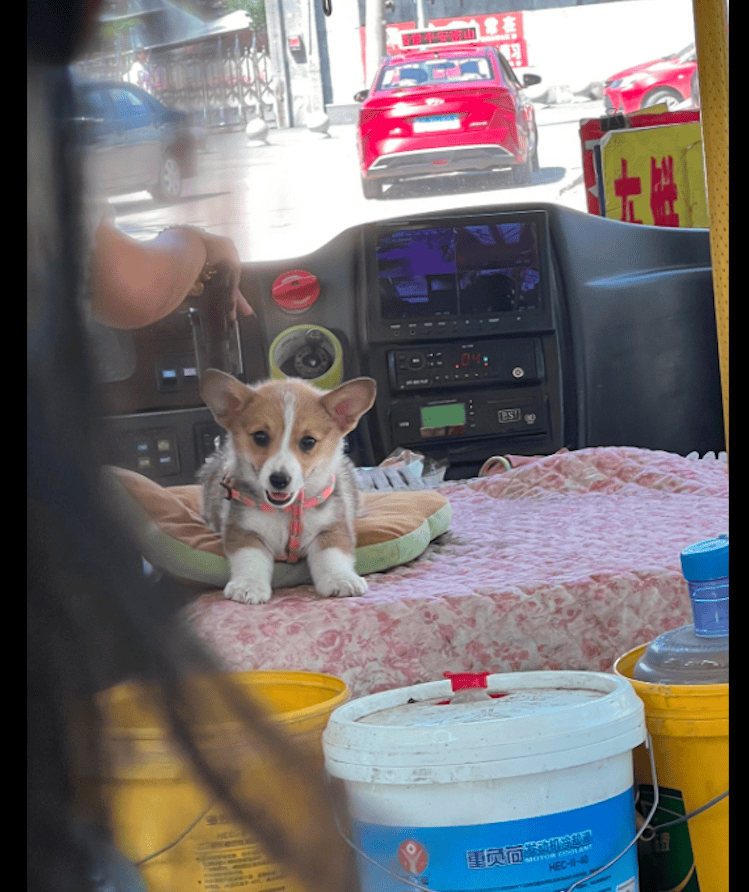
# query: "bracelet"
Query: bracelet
{"points": [[206, 274]]}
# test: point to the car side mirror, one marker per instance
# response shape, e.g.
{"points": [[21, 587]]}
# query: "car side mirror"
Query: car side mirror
{"points": [[360, 96], [530, 80]]}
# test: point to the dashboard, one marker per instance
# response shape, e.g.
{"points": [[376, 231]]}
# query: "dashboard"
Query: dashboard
{"points": [[519, 329]]}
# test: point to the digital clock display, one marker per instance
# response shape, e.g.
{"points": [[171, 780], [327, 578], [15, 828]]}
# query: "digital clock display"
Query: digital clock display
{"points": [[472, 360]]}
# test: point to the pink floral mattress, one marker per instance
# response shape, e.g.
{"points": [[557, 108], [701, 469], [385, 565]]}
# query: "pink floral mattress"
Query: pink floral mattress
{"points": [[565, 562]]}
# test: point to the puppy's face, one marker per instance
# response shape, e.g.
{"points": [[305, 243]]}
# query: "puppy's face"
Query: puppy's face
{"points": [[285, 435], [286, 430]]}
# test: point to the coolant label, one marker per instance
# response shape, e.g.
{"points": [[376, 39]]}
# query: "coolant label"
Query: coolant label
{"points": [[542, 854]]}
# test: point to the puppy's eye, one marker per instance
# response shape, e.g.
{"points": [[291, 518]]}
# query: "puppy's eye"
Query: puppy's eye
{"points": [[307, 444], [261, 438]]}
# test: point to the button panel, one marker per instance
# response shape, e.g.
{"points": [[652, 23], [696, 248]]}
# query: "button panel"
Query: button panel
{"points": [[153, 453], [176, 372], [447, 328]]}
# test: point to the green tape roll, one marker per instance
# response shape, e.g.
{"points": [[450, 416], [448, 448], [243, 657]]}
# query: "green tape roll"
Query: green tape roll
{"points": [[291, 340]]}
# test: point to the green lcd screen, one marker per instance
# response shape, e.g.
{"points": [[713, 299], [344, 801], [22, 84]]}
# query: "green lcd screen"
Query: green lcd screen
{"points": [[450, 415]]}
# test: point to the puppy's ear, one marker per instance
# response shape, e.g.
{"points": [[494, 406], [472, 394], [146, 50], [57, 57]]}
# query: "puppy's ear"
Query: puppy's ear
{"points": [[224, 395], [347, 403]]}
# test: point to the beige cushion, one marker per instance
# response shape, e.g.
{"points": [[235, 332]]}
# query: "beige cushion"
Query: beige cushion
{"points": [[395, 527]]}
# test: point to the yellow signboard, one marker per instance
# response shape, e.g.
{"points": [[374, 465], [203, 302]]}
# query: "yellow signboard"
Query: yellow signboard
{"points": [[655, 175]]}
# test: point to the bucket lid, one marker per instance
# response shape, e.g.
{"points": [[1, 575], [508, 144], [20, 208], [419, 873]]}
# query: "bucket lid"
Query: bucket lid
{"points": [[525, 723]]}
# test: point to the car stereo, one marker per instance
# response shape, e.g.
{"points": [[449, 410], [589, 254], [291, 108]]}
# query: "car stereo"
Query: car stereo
{"points": [[478, 275], [506, 361]]}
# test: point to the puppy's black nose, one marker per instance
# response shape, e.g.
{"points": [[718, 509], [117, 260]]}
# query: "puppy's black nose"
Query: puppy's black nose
{"points": [[279, 480]]}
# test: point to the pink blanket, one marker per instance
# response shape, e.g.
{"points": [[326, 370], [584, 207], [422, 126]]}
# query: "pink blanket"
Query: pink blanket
{"points": [[563, 563]]}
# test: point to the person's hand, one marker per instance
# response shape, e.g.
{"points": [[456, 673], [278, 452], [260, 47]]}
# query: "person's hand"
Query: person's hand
{"points": [[220, 249]]}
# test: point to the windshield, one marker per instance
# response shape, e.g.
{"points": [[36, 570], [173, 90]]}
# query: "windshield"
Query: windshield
{"points": [[435, 71], [689, 52], [271, 147]]}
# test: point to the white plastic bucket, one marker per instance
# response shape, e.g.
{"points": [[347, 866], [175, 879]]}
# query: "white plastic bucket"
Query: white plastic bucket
{"points": [[530, 787]]}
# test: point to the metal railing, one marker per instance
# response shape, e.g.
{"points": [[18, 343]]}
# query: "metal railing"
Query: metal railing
{"points": [[218, 85]]}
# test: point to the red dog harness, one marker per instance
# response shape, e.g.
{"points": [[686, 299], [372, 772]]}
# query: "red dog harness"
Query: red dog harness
{"points": [[295, 508]]}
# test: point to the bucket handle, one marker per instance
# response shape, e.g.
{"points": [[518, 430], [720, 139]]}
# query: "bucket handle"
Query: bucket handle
{"points": [[651, 813], [688, 817], [190, 827], [656, 798]]}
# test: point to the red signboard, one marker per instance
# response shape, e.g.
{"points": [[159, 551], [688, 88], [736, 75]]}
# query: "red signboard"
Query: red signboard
{"points": [[393, 35], [504, 29], [437, 36], [592, 132]]}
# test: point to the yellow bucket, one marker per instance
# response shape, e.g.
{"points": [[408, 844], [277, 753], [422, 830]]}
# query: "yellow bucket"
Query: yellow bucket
{"points": [[689, 728], [158, 807]]}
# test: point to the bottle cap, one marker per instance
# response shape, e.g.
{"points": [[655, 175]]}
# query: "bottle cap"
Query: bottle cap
{"points": [[705, 560]]}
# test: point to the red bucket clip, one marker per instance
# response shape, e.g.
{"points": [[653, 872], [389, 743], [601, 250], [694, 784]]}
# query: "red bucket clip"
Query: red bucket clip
{"points": [[461, 681], [464, 681]]}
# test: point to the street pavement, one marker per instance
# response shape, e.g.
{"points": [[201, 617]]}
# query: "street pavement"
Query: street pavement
{"points": [[288, 196]]}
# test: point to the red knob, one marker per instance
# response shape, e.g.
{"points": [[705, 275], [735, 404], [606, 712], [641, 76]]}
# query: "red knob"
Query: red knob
{"points": [[296, 290]]}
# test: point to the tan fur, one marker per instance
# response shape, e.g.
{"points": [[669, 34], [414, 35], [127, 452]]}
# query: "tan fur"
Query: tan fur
{"points": [[235, 538], [338, 536], [284, 436]]}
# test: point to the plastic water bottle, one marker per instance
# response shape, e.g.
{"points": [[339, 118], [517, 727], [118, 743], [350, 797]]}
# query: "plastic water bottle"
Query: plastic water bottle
{"points": [[697, 653]]}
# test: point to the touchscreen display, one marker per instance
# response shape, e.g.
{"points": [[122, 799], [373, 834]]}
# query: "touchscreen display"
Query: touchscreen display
{"points": [[475, 270]]}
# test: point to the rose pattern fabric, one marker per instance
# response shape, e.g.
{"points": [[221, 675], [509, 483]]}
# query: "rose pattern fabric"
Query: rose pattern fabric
{"points": [[566, 562]]}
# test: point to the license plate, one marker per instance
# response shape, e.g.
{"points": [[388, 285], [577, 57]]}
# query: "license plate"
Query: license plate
{"points": [[436, 122]]}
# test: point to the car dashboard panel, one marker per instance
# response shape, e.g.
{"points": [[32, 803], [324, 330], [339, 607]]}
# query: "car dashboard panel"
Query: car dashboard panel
{"points": [[520, 329]]}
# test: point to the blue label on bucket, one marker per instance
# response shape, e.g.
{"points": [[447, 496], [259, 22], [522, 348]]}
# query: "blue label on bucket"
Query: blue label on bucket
{"points": [[547, 853]]}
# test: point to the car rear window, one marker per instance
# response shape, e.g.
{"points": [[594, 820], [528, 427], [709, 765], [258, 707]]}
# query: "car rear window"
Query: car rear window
{"points": [[127, 103], [92, 103], [435, 71]]}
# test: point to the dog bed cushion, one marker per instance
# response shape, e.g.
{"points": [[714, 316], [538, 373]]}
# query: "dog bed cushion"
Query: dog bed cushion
{"points": [[395, 528]]}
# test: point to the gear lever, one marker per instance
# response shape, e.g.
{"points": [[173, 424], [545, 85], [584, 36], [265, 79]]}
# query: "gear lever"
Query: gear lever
{"points": [[215, 335]]}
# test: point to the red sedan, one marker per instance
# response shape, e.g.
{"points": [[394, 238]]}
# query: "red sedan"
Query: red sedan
{"points": [[667, 81], [442, 110]]}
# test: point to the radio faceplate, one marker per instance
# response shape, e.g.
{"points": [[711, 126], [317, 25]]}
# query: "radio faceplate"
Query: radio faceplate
{"points": [[469, 415], [462, 364]]}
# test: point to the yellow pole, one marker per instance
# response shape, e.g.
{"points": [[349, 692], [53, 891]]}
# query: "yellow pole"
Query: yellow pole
{"points": [[711, 32]]}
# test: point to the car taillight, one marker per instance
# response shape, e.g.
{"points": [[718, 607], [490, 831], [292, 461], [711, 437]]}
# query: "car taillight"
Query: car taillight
{"points": [[368, 114]]}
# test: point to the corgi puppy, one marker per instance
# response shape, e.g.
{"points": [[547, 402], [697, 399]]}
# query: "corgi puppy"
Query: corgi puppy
{"points": [[281, 485]]}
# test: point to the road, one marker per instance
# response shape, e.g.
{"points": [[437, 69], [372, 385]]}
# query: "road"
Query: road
{"points": [[288, 197]]}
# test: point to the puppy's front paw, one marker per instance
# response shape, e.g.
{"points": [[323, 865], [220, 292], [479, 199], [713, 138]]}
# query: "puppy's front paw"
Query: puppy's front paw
{"points": [[333, 573], [248, 591], [341, 585]]}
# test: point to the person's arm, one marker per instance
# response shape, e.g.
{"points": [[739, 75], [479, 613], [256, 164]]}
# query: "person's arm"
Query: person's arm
{"points": [[137, 283]]}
